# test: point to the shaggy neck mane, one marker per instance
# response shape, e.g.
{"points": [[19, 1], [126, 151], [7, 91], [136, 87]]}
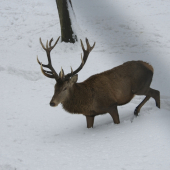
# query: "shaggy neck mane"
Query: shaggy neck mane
{"points": [[78, 99]]}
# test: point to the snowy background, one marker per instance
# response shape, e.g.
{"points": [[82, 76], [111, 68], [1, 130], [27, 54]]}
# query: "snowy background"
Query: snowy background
{"points": [[35, 136]]}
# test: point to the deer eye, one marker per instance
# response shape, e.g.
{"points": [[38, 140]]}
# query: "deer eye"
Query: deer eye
{"points": [[65, 89]]}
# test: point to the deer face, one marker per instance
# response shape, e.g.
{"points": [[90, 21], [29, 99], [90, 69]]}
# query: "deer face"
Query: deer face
{"points": [[61, 91], [64, 82]]}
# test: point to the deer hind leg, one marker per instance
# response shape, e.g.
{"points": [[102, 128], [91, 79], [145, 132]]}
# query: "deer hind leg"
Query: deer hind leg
{"points": [[156, 95], [151, 93], [114, 114], [90, 121], [137, 110]]}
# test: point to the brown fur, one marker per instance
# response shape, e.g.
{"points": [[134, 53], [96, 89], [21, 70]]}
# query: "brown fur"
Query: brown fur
{"points": [[102, 93], [114, 86], [148, 66]]}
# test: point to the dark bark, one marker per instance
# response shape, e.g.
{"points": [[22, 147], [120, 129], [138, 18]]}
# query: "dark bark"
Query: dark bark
{"points": [[67, 34]]}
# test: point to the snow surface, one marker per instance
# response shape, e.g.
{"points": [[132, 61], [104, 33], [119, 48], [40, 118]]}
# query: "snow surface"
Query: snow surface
{"points": [[35, 136]]}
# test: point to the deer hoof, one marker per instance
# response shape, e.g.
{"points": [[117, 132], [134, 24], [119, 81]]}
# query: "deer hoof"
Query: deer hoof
{"points": [[158, 104], [136, 112], [89, 127]]}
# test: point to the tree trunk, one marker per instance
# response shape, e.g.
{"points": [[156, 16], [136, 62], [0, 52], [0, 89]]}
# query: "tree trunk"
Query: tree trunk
{"points": [[67, 34]]}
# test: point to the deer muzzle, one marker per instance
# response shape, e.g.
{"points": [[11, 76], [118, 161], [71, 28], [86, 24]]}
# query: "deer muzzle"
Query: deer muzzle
{"points": [[52, 104]]}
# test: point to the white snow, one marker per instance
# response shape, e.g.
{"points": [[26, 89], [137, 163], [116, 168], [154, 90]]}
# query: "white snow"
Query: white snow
{"points": [[35, 136]]}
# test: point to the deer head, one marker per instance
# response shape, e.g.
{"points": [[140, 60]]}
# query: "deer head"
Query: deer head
{"points": [[63, 82]]}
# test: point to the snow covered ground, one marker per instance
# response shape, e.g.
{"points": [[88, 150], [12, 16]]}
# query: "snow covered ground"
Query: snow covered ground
{"points": [[35, 136]]}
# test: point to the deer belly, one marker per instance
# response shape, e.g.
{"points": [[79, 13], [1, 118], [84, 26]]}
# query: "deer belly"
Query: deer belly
{"points": [[125, 99]]}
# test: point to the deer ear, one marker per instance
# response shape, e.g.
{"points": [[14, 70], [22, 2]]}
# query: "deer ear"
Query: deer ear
{"points": [[74, 79]]}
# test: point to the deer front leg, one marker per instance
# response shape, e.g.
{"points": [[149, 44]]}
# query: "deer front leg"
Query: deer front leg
{"points": [[114, 114], [90, 121]]}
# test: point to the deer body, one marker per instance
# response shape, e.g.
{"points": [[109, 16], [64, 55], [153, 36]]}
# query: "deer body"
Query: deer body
{"points": [[113, 87], [102, 93]]}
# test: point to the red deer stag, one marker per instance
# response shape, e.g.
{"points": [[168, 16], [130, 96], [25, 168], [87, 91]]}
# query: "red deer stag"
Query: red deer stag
{"points": [[100, 93]]}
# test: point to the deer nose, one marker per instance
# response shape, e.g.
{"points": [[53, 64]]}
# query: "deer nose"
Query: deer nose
{"points": [[52, 104]]}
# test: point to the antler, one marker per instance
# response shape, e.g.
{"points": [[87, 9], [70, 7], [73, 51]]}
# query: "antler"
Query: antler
{"points": [[84, 59], [52, 73]]}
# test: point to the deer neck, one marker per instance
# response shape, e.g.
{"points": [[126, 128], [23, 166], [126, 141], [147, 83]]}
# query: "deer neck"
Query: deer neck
{"points": [[77, 101]]}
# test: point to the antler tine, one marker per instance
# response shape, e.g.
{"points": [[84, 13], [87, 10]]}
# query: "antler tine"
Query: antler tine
{"points": [[84, 58], [88, 45], [44, 71], [42, 64], [42, 44], [47, 44], [86, 52], [52, 73], [50, 42], [38, 60], [82, 45], [55, 43], [71, 70], [89, 48], [61, 74]]}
